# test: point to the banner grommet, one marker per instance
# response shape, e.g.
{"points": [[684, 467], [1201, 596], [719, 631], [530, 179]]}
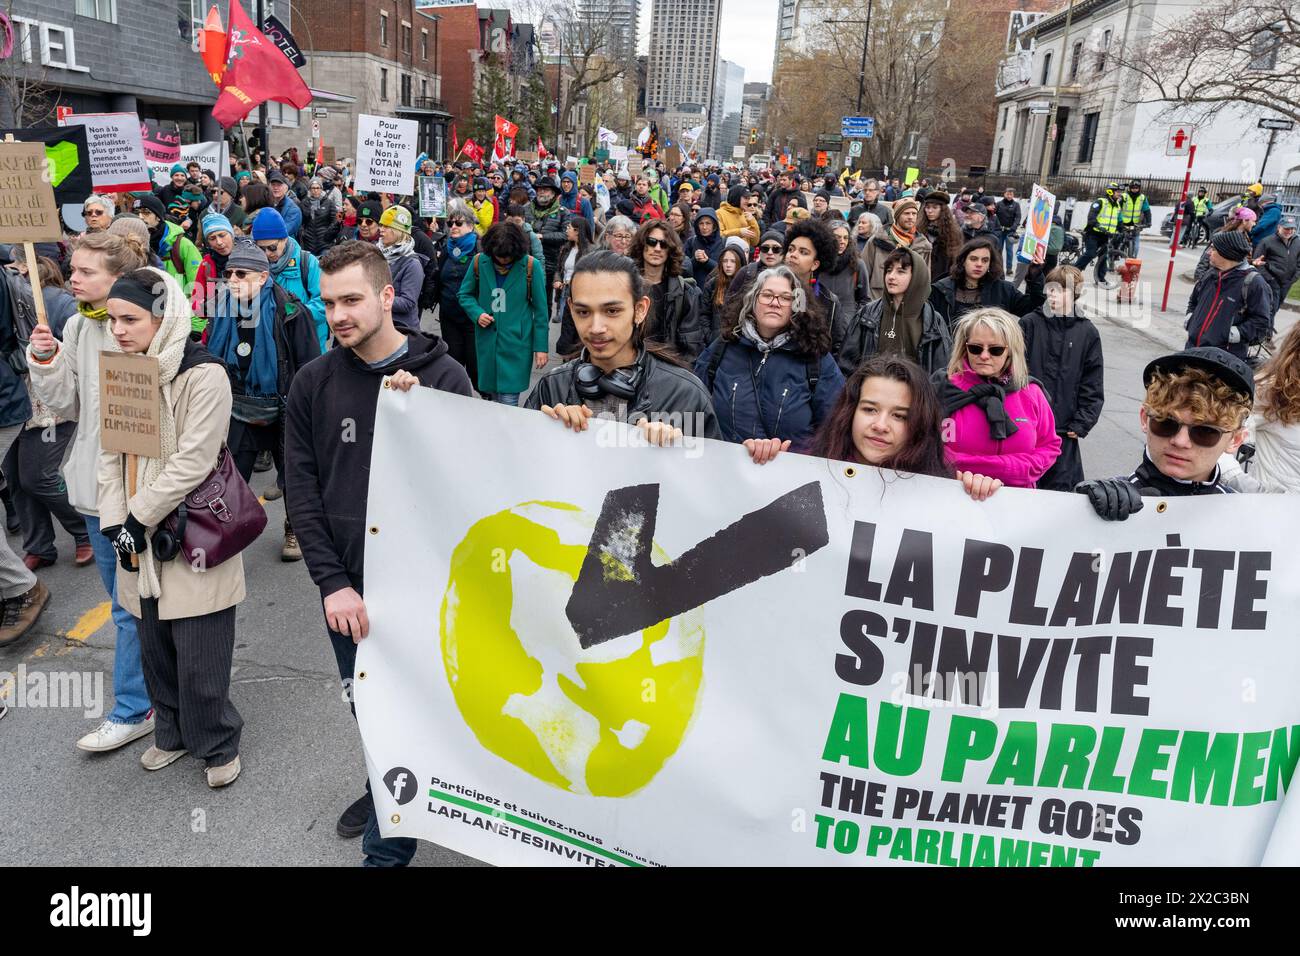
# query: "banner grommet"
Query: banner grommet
{"points": [[850, 472], [1162, 507], [374, 529], [396, 818]]}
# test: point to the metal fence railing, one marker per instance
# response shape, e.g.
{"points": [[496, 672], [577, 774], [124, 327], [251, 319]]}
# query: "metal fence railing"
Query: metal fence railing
{"points": [[1159, 191]]}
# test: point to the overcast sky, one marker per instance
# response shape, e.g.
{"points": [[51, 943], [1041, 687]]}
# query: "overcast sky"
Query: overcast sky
{"points": [[747, 35]]}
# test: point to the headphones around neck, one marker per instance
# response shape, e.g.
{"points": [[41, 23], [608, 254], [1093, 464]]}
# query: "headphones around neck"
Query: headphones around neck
{"points": [[592, 382]]}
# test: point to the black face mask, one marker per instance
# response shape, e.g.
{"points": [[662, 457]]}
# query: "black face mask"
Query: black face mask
{"points": [[158, 231]]}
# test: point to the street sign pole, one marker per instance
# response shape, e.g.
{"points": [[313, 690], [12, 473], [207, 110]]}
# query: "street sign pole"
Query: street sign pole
{"points": [[1178, 221]]}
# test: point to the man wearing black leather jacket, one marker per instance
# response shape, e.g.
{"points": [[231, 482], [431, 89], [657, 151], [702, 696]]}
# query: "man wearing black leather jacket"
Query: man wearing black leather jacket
{"points": [[618, 374], [1183, 448]]}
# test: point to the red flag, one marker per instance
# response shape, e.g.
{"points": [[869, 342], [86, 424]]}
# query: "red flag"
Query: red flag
{"points": [[455, 142], [473, 150], [213, 46], [256, 72], [541, 150], [506, 128]]}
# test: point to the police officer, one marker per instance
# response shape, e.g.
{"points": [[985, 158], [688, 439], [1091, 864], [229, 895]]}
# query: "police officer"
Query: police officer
{"points": [[1194, 212], [1103, 224], [1134, 211]]}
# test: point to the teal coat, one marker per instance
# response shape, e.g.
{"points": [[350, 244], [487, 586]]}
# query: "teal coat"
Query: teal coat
{"points": [[505, 348]]}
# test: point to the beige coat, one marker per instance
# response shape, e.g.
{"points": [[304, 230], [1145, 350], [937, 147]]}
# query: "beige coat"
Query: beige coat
{"points": [[201, 405], [877, 250]]}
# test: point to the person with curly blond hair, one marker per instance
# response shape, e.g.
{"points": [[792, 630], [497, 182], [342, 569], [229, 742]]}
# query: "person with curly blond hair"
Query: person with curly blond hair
{"points": [[1193, 413]]}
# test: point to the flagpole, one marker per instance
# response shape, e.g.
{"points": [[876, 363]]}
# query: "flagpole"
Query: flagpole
{"points": [[248, 154]]}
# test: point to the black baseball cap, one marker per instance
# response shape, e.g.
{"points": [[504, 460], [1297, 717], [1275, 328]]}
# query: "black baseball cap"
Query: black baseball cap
{"points": [[1232, 371]]}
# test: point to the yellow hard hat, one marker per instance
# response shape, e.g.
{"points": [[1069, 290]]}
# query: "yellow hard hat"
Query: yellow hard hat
{"points": [[1255, 189]]}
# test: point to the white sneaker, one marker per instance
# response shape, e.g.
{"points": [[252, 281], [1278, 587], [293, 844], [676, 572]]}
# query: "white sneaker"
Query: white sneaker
{"points": [[110, 735]]}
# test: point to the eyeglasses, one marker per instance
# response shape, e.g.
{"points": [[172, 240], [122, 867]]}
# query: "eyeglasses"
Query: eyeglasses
{"points": [[776, 298], [272, 246], [653, 243], [368, 222], [236, 273], [456, 222], [770, 247], [995, 350], [1207, 436]]}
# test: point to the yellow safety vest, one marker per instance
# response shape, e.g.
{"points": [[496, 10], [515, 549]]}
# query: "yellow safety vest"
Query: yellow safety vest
{"points": [[1108, 216], [1201, 207], [1132, 208]]}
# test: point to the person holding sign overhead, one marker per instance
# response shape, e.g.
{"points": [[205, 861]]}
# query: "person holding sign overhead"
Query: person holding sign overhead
{"points": [[186, 612], [65, 377]]}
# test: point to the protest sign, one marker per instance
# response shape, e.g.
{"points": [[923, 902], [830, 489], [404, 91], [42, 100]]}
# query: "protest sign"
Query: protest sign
{"points": [[162, 144], [28, 212], [594, 653], [386, 154], [433, 196], [68, 156], [116, 148], [842, 205], [129, 404], [634, 166], [911, 177], [617, 154], [213, 155], [526, 155], [586, 173], [1038, 226], [672, 157]]}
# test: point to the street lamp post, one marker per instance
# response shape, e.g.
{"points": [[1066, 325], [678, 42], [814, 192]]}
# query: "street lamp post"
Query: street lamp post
{"points": [[1049, 141]]}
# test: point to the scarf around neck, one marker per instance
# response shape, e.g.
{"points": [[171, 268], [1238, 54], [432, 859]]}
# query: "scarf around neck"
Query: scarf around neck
{"points": [[90, 312], [904, 238], [263, 379], [989, 396], [392, 253], [460, 249], [750, 331]]}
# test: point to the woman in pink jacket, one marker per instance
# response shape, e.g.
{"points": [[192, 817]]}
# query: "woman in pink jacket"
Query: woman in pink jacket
{"points": [[999, 421]]}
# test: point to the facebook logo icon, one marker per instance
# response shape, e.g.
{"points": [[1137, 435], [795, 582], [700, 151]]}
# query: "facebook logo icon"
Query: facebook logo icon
{"points": [[401, 783]]}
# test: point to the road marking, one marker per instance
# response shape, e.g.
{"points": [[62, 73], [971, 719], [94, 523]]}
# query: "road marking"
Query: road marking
{"points": [[90, 622]]}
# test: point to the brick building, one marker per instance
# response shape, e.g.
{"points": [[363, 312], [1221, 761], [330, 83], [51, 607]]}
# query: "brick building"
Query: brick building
{"points": [[107, 56], [383, 56]]}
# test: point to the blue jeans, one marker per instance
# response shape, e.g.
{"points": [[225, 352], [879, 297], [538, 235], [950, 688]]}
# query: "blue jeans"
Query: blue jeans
{"points": [[130, 696], [376, 850], [506, 398], [1009, 246]]}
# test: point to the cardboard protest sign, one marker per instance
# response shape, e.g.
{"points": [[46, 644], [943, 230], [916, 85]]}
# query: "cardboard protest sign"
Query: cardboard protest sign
{"points": [[386, 154], [586, 173], [28, 212], [672, 157], [526, 155], [68, 157], [117, 162], [130, 403]]}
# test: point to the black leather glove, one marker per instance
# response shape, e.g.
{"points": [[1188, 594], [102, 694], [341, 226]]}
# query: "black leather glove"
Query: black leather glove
{"points": [[128, 540], [1112, 498]]}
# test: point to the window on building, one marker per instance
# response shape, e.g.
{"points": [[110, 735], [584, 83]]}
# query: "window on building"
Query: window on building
{"points": [[1047, 68], [424, 44], [1088, 137], [1263, 48], [1005, 111], [424, 90], [1103, 49], [406, 89], [105, 10], [383, 84], [383, 29], [1076, 54], [406, 38]]}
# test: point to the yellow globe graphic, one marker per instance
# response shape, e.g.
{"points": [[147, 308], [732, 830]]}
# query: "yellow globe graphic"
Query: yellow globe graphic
{"points": [[601, 721]]}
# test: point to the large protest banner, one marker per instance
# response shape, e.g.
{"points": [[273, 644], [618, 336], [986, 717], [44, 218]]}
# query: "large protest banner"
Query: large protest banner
{"points": [[386, 149], [211, 155], [588, 652], [116, 151]]}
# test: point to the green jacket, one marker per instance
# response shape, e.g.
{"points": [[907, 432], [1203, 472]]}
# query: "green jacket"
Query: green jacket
{"points": [[505, 348], [175, 249]]}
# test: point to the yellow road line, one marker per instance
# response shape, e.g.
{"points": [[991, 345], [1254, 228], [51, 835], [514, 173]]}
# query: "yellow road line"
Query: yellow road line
{"points": [[90, 622]]}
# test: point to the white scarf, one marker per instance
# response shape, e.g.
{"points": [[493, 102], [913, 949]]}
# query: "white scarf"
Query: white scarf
{"points": [[750, 331], [392, 253], [168, 346]]}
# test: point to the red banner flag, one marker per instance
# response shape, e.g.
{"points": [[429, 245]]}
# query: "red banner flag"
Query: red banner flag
{"points": [[256, 72], [473, 150], [506, 128], [213, 46], [541, 150], [455, 143]]}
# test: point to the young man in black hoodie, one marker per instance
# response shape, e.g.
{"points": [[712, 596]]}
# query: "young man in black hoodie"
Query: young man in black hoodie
{"points": [[329, 435]]}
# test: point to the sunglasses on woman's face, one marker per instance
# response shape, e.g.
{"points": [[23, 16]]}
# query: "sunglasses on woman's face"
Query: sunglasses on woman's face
{"points": [[236, 274], [367, 222], [770, 248], [995, 350], [456, 222], [1207, 436], [653, 243]]}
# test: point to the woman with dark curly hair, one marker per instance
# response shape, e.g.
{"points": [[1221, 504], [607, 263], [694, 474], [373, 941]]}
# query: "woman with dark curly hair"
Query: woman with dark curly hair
{"points": [[675, 319], [770, 373], [941, 228], [888, 415], [504, 291]]}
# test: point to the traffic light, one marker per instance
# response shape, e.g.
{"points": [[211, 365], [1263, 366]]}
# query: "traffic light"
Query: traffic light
{"points": [[753, 135]]}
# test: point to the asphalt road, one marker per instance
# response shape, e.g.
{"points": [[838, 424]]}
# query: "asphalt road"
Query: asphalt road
{"points": [[301, 753]]}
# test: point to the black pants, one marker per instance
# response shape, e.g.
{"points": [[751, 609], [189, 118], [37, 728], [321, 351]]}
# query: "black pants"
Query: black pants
{"points": [[1094, 246], [39, 491], [459, 337], [245, 441], [187, 670], [1067, 470]]}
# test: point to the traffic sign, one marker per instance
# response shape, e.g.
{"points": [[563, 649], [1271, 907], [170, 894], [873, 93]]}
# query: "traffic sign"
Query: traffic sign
{"points": [[1179, 140], [1269, 123], [830, 142], [855, 148], [858, 127], [319, 111]]}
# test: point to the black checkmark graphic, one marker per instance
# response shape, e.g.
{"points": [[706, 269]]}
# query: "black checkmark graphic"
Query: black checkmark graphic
{"points": [[620, 591]]}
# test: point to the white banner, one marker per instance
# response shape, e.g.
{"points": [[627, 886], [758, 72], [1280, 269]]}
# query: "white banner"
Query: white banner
{"points": [[117, 161], [386, 154], [212, 155], [590, 652]]}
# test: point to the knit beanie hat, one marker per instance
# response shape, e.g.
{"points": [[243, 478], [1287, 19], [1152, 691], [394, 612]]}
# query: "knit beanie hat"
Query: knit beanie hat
{"points": [[215, 222], [153, 204], [397, 217], [1233, 246], [269, 224], [178, 168], [230, 185], [246, 255]]}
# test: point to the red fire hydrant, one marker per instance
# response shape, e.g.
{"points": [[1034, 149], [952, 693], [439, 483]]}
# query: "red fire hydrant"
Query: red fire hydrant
{"points": [[1128, 277]]}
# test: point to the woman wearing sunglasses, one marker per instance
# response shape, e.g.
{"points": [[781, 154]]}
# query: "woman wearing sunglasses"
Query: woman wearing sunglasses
{"points": [[675, 319], [453, 259], [1001, 422]]}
